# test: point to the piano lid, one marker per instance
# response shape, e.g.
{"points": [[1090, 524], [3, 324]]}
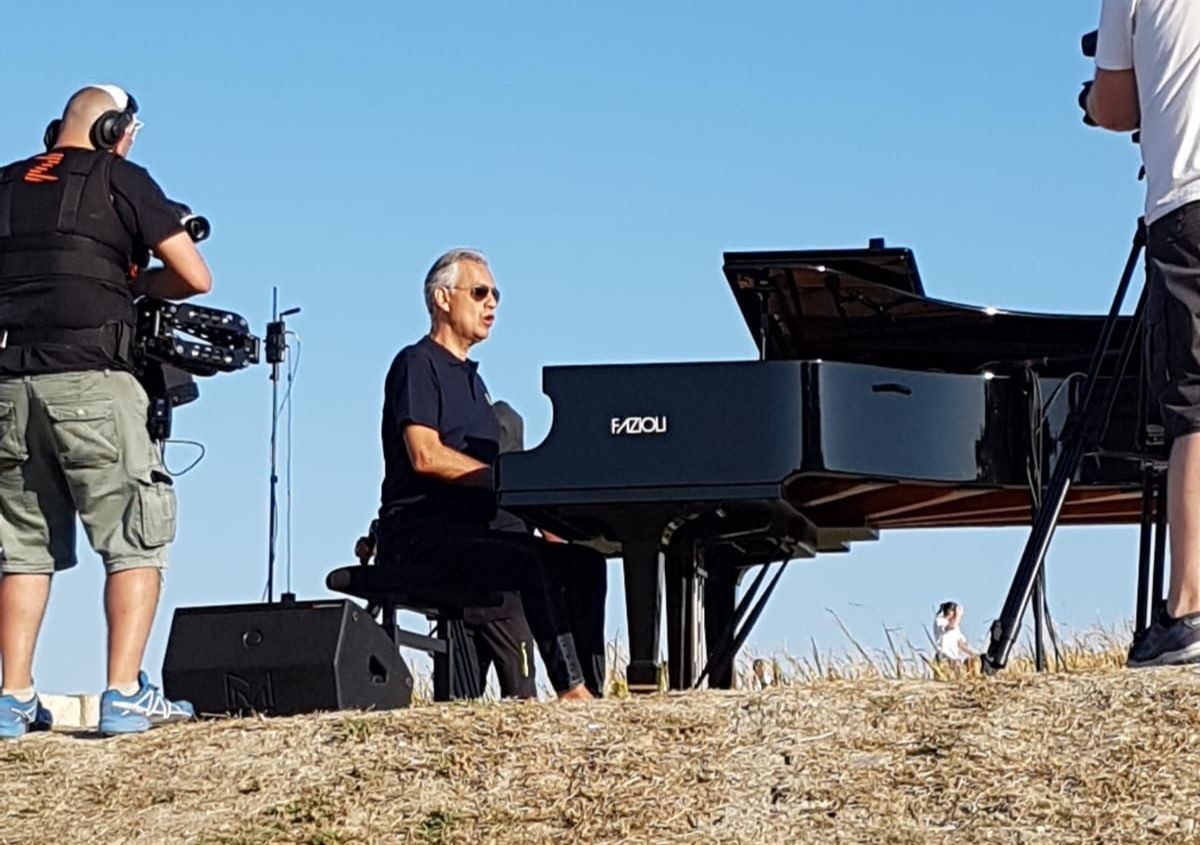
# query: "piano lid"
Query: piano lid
{"points": [[869, 306]]}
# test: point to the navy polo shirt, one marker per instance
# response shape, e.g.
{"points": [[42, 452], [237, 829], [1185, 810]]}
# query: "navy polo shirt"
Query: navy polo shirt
{"points": [[426, 385]]}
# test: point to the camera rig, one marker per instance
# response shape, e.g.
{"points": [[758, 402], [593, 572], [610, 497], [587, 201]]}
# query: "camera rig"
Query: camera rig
{"points": [[174, 342]]}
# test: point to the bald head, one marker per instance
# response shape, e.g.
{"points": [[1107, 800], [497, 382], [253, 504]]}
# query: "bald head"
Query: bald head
{"points": [[83, 110], [85, 106]]}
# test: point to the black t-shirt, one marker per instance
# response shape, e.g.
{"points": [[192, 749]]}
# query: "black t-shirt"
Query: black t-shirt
{"points": [[428, 386], [141, 205], [144, 216]]}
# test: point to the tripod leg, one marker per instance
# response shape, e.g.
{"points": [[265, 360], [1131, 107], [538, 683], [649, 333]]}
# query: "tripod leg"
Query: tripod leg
{"points": [[724, 652], [1144, 612], [1158, 595], [1039, 620], [744, 632], [1007, 626]]}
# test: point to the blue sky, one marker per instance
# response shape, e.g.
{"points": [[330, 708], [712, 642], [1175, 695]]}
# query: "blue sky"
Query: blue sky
{"points": [[604, 156]]}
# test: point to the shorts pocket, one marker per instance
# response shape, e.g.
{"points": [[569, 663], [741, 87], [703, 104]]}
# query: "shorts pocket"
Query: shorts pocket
{"points": [[12, 444], [151, 519], [86, 433]]}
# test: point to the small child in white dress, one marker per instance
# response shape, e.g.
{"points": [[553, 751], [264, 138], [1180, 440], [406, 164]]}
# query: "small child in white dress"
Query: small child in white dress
{"points": [[948, 638]]}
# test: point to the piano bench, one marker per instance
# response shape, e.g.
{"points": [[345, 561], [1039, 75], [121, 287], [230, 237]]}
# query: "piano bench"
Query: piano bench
{"points": [[455, 665]]}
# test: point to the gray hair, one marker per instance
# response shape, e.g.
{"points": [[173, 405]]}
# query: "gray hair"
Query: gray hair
{"points": [[444, 272]]}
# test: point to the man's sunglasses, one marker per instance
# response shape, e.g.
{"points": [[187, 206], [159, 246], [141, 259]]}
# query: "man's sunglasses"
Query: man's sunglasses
{"points": [[480, 292]]}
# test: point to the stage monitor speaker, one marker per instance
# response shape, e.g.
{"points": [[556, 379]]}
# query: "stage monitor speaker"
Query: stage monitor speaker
{"points": [[282, 659]]}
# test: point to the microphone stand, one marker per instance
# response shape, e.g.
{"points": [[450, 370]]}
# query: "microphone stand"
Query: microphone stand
{"points": [[276, 346]]}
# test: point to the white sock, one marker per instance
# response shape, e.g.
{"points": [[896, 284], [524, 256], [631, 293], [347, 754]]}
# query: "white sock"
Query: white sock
{"points": [[21, 695], [127, 688]]}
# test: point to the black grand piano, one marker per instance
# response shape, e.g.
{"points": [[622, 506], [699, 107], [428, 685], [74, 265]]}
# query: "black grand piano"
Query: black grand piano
{"points": [[872, 407]]}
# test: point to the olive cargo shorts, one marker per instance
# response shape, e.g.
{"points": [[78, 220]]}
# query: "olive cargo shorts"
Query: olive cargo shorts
{"points": [[76, 443]]}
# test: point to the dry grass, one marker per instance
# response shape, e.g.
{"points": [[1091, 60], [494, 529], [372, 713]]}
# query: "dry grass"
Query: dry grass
{"points": [[1097, 648], [1094, 755]]}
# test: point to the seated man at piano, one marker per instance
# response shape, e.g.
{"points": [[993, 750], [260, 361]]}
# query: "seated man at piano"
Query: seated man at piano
{"points": [[498, 633], [440, 443]]}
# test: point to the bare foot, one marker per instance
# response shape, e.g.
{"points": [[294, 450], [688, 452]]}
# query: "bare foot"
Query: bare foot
{"points": [[576, 693]]}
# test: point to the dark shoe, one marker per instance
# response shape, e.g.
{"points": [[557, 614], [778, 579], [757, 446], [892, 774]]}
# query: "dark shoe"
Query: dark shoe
{"points": [[1169, 642], [43, 721]]}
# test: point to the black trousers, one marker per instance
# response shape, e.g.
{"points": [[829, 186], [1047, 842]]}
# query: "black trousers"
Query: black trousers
{"points": [[500, 637], [562, 587]]}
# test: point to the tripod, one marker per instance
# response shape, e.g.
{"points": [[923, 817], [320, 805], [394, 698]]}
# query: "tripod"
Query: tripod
{"points": [[1080, 431]]}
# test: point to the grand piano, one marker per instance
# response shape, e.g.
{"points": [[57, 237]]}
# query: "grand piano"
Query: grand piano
{"points": [[871, 407]]}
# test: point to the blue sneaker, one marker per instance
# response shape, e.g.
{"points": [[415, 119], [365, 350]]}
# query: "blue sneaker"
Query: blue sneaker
{"points": [[145, 709], [19, 717]]}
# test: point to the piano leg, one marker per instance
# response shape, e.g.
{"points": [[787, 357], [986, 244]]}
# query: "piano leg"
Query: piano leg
{"points": [[643, 610], [685, 616], [720, 601]]}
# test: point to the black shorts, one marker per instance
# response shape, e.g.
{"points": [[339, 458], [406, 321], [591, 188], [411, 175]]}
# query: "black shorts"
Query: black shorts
{"points": [[1173, 318]]}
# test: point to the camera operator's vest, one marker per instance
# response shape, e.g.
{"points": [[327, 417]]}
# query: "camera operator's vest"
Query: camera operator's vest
{"points": [[65, 263]]}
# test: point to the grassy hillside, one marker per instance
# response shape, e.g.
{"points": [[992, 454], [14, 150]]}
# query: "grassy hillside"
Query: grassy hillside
{"points": [[1096, 755]]}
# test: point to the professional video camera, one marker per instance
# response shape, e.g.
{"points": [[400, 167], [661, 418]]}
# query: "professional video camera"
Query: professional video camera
{"points": [[1088, 44], [195, 225], [176, 341]]}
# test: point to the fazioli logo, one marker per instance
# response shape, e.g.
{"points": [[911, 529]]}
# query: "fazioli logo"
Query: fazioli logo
{"points": [[638, 425]]}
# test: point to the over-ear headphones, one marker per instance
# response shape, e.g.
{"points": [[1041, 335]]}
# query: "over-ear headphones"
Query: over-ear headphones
{"points": [[51, 133], [111, 126], [108, 128]]}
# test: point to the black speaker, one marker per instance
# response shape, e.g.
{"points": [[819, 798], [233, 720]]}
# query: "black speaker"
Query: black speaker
{"points": [[283, 659]]}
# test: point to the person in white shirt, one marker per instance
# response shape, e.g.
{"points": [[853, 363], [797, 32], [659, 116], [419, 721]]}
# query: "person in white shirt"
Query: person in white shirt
{"points": [[1148, 78], [948, 638]]}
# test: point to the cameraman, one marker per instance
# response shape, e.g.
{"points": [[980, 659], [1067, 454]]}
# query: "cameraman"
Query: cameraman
{"points": [[1148, 78], [75, 224]]}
